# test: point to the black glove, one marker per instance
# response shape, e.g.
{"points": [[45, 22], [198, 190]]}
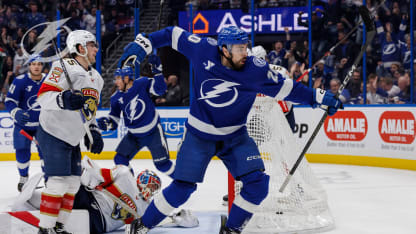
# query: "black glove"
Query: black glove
{"points": [[21, 117], [98, 144], [70, 100]]}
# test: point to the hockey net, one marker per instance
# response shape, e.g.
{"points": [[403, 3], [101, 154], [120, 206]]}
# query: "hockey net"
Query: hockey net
{"points": [[302, 207]]}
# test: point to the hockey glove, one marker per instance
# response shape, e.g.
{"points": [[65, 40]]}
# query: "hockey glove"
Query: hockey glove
{"points": [[327, 101], [135, 52], [21, 117], [98, 143], [69, 100], [155, 63], [106, 124]]}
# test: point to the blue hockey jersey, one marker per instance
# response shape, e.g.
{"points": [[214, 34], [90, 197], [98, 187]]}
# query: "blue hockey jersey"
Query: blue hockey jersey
{"points": [[223, 97], [23, 94], [139, 112]]}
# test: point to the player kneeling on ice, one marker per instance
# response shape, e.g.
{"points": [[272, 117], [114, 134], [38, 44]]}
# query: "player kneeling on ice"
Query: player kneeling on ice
{"points": [[133, 99], [105, 213], [226, 84]]}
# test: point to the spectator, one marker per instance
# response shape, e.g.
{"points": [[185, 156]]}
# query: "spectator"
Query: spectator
{"points": [[403, 97], [334, 85], [390, 48], [320, 76], [372, 96], [173, 96], [354, 86], [89, 20], [19, 60], [7, 72], [276, 55], [345, 54], [388, 89], [34, 17]]}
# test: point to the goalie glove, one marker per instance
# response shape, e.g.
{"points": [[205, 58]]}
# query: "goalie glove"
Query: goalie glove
{"points": [[90, 176], [185, 218]]}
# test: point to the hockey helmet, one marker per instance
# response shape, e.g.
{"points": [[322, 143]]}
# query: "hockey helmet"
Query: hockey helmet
{"points": [[148, 184], [230, 36], [77, 37], [127, 71], [117, 72]]}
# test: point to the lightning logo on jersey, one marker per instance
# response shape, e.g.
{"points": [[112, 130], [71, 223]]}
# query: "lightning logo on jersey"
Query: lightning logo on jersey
{"points": [[132, 108], [218, 90]]}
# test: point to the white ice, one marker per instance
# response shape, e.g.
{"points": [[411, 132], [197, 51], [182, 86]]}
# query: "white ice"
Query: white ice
{"points": [[364, 200]]}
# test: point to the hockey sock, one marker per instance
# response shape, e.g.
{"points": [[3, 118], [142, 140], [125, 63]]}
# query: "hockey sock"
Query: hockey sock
{"points": [[66, 208], [23, 161], [167, 167], [237, 218], [49, 210], [121, 160]]}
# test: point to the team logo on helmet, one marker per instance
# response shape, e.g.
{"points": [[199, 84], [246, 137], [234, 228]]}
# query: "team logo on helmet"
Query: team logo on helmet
{"points": [[45, 39], [218, 92]]}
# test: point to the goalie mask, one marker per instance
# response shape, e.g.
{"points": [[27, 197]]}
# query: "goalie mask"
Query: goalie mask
{"points": [[148, 183]]}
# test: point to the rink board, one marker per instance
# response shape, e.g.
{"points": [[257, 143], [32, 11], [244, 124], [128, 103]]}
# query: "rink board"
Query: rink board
{"points": [[358, 135]]}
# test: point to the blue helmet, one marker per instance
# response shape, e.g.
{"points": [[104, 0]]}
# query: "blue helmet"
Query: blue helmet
{"points": [[34, 58], [232, 35], [118, 72], [127, 71]]}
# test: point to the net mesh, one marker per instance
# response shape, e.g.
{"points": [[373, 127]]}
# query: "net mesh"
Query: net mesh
{"points": [[302, 207]]}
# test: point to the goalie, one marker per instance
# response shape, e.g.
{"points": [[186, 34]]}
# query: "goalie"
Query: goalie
{"points": [[105, 214]]}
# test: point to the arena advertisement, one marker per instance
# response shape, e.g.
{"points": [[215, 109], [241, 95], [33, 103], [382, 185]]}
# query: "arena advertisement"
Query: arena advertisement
{"points": [[376, 131], [361, 131], [266, 20]]}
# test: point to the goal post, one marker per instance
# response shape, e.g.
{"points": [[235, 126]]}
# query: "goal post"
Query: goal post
{"points": [[303, 207]]}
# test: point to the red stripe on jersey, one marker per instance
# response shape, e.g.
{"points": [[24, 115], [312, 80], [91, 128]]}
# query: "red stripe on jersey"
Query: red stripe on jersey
{"points": [[283, 105], [50, 204], [114, 190], [46, 88], [108, 177], [68, 201]]}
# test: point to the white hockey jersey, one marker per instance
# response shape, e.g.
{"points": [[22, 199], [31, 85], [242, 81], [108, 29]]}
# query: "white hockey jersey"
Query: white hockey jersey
{"points": [[121, 183], [67, 125]]}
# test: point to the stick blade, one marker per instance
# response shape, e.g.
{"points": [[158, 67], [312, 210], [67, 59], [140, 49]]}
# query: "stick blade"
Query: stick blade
{"points": [[365, 15]]}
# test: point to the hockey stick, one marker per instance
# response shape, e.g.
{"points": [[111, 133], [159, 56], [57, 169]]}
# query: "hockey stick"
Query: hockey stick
{"points": [[369, 25], [336, 45], [71, 87], [160, 14], [29, 137]]}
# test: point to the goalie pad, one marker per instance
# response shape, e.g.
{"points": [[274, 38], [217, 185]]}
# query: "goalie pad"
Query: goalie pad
{"points": [[27, 192]]}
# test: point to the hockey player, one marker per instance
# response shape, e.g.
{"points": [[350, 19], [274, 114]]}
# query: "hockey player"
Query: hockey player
{"points": [[22, 106], [226, 83], [61, 127], [105, 214], [140, 118]]}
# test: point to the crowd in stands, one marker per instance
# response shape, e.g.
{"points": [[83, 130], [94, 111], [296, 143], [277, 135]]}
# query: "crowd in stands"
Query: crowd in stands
{"points": [[387, 78]]}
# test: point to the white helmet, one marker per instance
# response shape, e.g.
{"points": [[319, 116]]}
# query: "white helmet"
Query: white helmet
{"points": [[259, 52], [79, 37]]}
